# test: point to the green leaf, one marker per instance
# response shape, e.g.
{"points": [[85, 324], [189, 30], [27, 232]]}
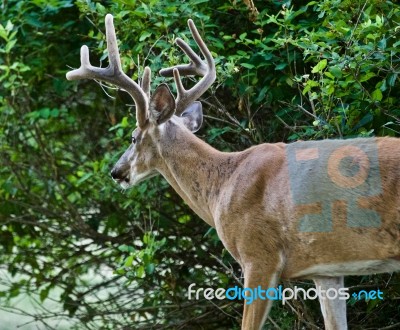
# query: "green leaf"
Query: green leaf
{"points": [[320, 66], [379, 20], [382, 44], [10, 45], [367, 76], [45, 113], [391, 79], [247, 65], [9, 26], [126, 248], [306, 89], [329, 75], [364, 121], [84, 178], [129, 261], [145, 35], [140, 272], [310, 84], [336, 71], [184, 218], [124, 122], [197, 2], [150, 268], [377, 95], [281, 66], [44, 293], [139, 14], [330, 89], [3, 33]]}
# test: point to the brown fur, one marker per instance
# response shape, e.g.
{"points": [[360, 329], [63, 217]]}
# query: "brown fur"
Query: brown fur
{"points": [[246, 197]]}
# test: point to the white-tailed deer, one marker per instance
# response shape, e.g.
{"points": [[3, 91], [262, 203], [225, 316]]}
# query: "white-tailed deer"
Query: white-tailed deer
{"points": [[318, 210]]}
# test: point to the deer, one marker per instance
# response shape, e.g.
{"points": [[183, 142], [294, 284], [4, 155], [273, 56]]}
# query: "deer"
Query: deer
{"points": [[317, 210]]}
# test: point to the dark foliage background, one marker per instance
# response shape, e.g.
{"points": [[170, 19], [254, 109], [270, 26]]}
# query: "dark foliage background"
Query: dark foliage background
{"points": [[112, 259]]}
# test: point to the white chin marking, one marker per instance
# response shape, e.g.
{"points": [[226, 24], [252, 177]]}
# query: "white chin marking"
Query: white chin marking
{"points": [[125, 185], [137, 179]]}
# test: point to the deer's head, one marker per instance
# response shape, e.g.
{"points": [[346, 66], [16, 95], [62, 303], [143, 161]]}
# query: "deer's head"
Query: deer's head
{"points": [[156, 112]]}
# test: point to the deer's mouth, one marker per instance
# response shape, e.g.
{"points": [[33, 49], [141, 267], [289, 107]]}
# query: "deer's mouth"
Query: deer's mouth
{"points": [[130, 181]]}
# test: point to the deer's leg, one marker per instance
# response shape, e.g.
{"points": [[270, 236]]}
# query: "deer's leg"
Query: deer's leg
{"points": [[256, 312], [334, 311]]}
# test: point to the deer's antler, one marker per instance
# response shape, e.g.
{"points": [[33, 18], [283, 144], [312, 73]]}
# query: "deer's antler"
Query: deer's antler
{"points": [[113, 74], [196, 67]]}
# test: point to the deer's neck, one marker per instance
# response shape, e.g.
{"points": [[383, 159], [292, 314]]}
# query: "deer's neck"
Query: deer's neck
{"points": [[194, 169]]}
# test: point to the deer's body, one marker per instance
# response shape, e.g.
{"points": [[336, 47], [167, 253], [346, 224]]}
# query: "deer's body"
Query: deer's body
{"points": [[247, 197], [317, 210]]}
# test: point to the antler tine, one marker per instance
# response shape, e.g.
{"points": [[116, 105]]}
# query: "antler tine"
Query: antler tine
{"points": [[196, 67], [113, 74], [145, 84]]}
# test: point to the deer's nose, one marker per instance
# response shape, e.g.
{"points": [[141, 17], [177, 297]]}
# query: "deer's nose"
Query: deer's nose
{"points": [[119, 174], [114, 173]]}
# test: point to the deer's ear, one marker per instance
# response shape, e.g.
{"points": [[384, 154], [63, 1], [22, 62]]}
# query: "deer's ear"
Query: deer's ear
{"points": [[193, 116], [162, 105]]}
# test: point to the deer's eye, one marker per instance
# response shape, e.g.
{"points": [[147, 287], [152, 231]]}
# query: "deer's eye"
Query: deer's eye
{"points": [[133, 140]]}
